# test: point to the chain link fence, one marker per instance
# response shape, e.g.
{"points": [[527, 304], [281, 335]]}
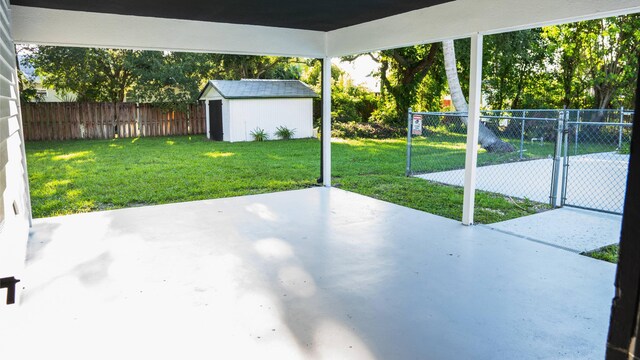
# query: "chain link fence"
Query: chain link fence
{"points": [[560, 157], [596, 160]]}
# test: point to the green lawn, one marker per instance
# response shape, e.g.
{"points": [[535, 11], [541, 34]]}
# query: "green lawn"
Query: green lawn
{"points": [[607, 253], [79, 176]]}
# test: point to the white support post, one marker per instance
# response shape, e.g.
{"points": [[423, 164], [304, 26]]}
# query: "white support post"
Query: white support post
{"points": [[207, 122], [326, 121], [473, 127]]}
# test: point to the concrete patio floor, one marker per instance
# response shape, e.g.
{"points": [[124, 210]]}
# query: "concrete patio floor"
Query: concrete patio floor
{"points": [[569, 228], [315, 273]]}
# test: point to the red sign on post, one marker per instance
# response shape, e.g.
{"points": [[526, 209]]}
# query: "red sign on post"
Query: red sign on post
{"points": [[416, 126]]}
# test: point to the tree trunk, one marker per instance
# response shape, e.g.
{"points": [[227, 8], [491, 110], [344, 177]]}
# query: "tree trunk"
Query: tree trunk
{"points": [[487, 139]]}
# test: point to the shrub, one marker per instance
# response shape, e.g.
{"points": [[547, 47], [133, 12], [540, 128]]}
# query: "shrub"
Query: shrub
{"points": [[387, 114], [352, 103], [625, 149], [353, 130], [259, 134], [284, 133]]}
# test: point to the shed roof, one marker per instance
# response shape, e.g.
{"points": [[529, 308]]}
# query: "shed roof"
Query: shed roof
{"points": [[251, 89]]}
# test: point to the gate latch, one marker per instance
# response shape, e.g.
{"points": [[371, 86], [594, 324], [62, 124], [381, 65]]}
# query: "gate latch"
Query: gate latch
{"points": [[10, 284]]}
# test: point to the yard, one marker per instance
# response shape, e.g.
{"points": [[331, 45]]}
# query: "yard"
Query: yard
{"points": [[69, 177]]}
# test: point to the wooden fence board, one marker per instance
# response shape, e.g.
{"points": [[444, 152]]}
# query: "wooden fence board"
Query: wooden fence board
{"points": [[64, 121]]}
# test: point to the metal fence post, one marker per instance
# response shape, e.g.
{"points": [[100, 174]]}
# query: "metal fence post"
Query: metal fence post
{"points": [[575, 151], [565, 158], [408, 169], [620, 128], [555, 174], [522, 134]]}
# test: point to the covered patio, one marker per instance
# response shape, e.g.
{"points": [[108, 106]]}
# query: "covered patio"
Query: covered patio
{"points": [[316, 273]]}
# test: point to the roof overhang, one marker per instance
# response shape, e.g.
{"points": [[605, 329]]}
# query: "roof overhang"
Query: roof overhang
{"points": [[452, 20], [87, 29]]}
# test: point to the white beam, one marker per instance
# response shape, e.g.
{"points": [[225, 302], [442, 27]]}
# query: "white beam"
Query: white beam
{"points": [[473, 127], [207, 117], [86, 29], [461, 18], [326, 121]]}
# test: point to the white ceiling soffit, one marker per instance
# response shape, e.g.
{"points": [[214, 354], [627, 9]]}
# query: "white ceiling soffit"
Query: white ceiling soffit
{"points": [[451, 20], [86, 29], [462, 18]]}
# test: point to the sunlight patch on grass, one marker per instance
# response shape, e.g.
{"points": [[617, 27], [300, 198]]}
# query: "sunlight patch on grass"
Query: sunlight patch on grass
{"points": [[170, 142], [57, 183], [134, 140], [50, 188], [45, 153], [73, 194], [216, 154], [116, 146], [352, 142], [72, 156]]}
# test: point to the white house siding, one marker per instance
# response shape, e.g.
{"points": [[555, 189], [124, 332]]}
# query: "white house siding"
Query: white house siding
{"points": [[14, 198], [268, 114]]}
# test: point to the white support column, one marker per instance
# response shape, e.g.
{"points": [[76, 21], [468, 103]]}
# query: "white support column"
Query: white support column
{"points": [[471, 160], [326, 121], [207, 122]]}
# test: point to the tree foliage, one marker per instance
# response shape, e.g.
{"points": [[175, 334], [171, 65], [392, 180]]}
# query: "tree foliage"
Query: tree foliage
{"points": [[28, 91], [170, 79], [92, 74], [403, 71]]}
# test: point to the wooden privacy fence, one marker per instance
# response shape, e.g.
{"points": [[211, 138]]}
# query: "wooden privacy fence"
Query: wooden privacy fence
{"points": [[69, 120]]}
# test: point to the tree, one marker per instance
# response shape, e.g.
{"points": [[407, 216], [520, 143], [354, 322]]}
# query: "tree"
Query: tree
{"points": [[174, 79], [487, 139], [171, 80], [612, 57], [93, 74], [236, 67], [596, 61], [402, 71], [512, 63], [567, 43]]}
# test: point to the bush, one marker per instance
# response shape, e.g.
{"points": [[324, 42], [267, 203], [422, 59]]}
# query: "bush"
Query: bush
{"points": [[259, 134], [625, 149], [351, 103], [387, 114], [353, 130], [284, 133]]}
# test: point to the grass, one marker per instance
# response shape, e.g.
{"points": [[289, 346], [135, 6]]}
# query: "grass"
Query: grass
{"points": [[79, 176], [607, 253]]}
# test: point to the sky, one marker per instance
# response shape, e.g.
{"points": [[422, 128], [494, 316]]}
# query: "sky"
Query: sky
{"points": [[360, 71]]}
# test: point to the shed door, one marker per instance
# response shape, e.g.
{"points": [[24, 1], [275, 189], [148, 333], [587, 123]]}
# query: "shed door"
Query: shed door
{"points": [[215, 120]]}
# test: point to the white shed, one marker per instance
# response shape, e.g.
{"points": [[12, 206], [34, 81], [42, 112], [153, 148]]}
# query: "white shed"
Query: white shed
{"points": [[235, 108]]}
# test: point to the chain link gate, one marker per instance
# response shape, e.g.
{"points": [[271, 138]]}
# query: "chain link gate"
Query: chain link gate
{"points": [[562, 157], [596, 159]]}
